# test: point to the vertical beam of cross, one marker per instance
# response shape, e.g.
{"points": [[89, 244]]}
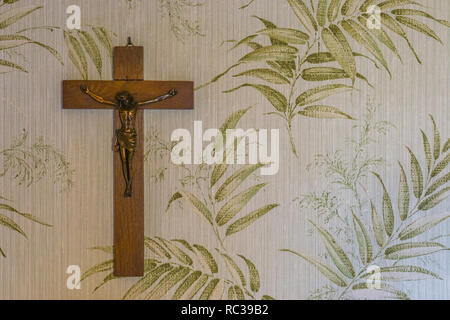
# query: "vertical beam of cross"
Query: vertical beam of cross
{"points": [[129, 212]]}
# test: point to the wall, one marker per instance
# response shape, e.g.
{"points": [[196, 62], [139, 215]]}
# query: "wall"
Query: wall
{"points": [[325, 205]]}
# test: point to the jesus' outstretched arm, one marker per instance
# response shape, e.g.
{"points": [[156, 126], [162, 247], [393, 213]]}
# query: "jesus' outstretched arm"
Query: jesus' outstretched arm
{"points": [[170, 94], [96, 97]]}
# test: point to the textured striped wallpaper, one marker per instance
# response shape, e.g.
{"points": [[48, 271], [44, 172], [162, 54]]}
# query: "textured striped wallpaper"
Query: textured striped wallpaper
{"points": [[339, 204]]}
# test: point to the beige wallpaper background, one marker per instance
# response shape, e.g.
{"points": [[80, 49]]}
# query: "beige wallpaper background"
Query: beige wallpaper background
{"points": [[82, 215]]}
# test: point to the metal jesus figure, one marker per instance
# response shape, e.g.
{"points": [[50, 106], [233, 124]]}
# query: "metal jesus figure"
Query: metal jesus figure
{"points": [[125, 139]]}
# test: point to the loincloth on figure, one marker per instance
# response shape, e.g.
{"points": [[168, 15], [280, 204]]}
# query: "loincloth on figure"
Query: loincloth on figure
{"points": [[127, 140]]}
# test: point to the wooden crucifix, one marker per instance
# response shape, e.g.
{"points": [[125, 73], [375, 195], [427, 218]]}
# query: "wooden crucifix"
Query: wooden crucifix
{"points": [[127, 96]]}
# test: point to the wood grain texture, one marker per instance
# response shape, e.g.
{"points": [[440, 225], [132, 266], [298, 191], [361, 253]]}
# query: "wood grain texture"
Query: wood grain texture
{"points": [[128, 63], [141, 91], [129, 212]]}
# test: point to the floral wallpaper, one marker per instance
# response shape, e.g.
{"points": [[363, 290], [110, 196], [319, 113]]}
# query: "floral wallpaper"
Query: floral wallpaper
{"points": [[357, 209]]}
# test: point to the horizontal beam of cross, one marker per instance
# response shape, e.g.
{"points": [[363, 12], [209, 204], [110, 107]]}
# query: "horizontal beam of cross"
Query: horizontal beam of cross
{"points": [[73, 98]]}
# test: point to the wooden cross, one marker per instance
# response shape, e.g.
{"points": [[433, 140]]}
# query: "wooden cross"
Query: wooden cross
{"points": [[128, 207]]}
